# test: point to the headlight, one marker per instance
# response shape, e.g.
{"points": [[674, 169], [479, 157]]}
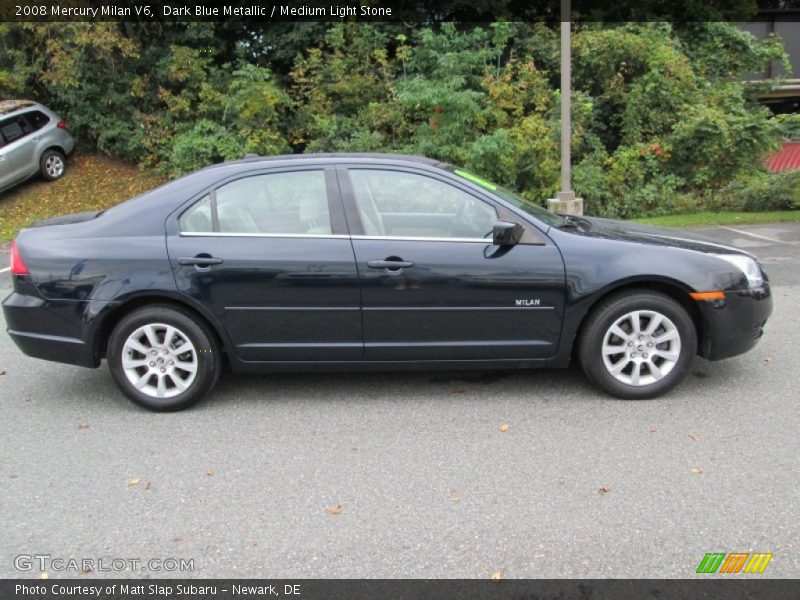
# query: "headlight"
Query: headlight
{"points": [[746, 265]]}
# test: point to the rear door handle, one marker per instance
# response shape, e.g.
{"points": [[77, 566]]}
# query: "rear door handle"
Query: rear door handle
{"points": [[199, 261], [390, 264]]}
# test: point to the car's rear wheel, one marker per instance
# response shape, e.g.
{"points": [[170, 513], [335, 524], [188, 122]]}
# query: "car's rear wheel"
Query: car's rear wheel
{"points": [[52, 165], [163, 359], [637, 344]]}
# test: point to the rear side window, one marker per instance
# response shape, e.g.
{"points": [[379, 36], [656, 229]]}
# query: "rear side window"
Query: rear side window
{"points": [[37, 119], [293, 202], [198, 218], [12, 129]]}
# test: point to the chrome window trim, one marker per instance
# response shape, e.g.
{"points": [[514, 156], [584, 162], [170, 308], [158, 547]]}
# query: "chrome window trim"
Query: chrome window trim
{"points": [[335, 236], [401, 238], [263, 235]]}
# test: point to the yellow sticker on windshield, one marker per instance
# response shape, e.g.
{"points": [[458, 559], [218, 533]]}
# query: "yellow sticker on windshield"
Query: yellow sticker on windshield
{"points": [[475, 179]]}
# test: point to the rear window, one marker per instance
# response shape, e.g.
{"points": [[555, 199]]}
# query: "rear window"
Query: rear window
{"points": [[37, 119]]}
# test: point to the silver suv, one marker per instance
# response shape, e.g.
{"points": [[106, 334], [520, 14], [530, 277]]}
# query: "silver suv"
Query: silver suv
{"points": [[33, 139]]}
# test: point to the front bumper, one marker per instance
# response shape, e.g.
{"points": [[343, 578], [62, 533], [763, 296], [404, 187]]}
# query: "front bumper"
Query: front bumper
{"points": [[734, 325], [50, 330]]}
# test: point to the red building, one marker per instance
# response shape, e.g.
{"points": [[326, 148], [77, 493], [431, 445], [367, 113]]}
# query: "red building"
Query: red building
{"points": [[784, 97], [786, 159]]}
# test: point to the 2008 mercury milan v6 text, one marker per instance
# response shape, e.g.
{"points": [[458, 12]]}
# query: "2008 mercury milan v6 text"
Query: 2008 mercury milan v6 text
{"points": [[354, 261]]}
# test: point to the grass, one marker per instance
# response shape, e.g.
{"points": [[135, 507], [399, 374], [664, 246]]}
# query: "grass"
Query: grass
{"points": [[708, 219], [92, 182]]}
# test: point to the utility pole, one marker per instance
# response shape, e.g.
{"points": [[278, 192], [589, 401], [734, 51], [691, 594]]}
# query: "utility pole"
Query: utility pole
{"points": [[565, 200]]}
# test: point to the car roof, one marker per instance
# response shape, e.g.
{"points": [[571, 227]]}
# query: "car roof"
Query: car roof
{"points": [[10, 106], [336, 156]]}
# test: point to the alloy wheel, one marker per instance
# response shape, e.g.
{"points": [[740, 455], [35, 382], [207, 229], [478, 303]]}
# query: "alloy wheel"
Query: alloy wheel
{"points": [[641, 347], [159, 360], [54, 166]]}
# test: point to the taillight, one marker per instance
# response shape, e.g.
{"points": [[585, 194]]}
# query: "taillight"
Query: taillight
{"points": [[62, 124], [17, 264]]}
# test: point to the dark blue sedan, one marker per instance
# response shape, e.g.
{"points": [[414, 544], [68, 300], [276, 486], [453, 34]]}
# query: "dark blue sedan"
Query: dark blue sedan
{"points": [[354, 261]]}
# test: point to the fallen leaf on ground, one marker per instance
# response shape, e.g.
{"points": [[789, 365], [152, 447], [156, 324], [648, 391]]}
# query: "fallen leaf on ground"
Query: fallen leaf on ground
{"points": [[134, 481], [604, 490], [211, 472], [504, 427], [83, 426], [697, 470], [695, 437], [497, 576], [334, 510]]}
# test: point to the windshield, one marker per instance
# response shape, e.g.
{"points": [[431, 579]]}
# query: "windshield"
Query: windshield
{"points": [[512, 198]]}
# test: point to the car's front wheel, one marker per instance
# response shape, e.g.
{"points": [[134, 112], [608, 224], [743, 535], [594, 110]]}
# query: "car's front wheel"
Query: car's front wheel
{"points": [[163, 359], [52, 165], [637, 344]]}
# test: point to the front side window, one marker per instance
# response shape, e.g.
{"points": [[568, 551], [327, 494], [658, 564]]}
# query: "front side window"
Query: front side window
{"points": [[509, 196], [403, 204], [293, 202]]}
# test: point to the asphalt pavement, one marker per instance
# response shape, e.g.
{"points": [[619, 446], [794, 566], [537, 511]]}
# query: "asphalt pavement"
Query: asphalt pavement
{"points": [[529, 473]]}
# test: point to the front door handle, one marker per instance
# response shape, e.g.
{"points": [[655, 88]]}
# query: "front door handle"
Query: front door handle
{"points": [[390, 264], [201, 260]]}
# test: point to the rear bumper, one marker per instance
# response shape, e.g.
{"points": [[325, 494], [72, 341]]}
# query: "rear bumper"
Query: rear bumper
{"points": [[734, 325], [49, 330], [69, 145], [63, 139]]}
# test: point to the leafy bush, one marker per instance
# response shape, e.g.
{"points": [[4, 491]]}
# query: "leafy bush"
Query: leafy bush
{"points": [[660, 122], [206, 143], [764, 191]]}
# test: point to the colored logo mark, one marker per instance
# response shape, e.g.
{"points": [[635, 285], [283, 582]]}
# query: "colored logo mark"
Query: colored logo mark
{"points": [[734, 562]]}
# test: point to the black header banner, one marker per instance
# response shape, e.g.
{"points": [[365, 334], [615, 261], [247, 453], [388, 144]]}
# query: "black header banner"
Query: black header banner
{"points": [[417, 11]]}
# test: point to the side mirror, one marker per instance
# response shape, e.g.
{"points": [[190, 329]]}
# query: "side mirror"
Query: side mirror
{"points": [[507, 234]]}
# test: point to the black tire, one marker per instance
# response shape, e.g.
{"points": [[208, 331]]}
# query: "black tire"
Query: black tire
{"points": [[205, 356], [609, 312], [52, 165]]}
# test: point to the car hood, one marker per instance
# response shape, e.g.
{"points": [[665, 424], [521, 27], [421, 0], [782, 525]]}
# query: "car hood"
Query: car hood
{"points": [[659, 236]]}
